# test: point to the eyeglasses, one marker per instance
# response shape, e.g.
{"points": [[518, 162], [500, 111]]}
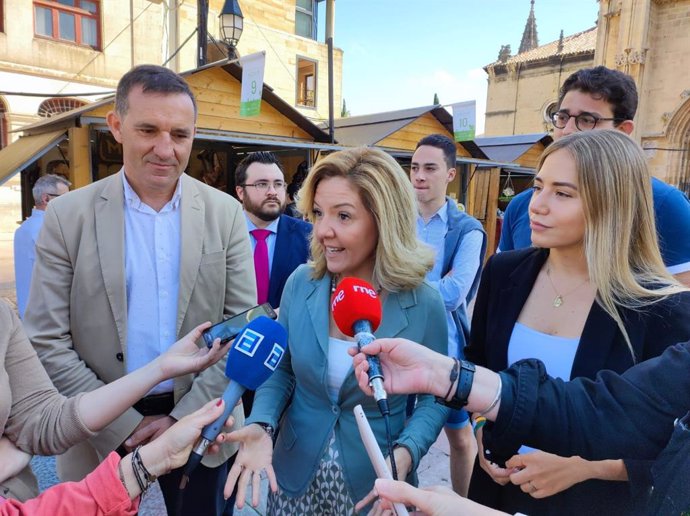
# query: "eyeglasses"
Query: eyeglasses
{"points": [[263, 186], [53, 194], [583, 121]]}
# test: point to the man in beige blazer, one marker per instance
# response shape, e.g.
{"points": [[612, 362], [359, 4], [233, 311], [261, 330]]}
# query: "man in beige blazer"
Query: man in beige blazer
{"points": [[83, 308]]}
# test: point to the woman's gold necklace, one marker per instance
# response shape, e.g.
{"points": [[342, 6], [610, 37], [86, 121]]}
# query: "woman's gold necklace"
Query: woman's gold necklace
{"points": [[558, 300]]}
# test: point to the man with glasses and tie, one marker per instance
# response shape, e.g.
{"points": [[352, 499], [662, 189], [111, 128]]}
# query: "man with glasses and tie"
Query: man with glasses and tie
{"points": [[280, 242], [601, 98], [46, 188]]}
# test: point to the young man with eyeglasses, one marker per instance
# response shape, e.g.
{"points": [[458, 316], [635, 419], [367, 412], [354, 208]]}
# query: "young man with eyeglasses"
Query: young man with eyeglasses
{"points": [[601, 98], [45, 189], [260, 185]]}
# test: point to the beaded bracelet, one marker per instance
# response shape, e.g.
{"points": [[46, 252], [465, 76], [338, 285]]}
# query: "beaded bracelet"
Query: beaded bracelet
{"points": [[143, 476], [479, 422], [137, 474]]}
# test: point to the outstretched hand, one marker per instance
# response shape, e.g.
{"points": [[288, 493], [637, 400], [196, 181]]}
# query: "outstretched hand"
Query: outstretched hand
{"points": [[254, 456], [186, 356]]}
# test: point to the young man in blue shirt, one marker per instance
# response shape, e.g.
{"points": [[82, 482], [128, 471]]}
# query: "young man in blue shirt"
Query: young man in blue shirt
{"points": [[601, 98], [460, 243]]}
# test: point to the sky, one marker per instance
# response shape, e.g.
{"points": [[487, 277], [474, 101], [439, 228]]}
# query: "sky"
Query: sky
{"points": [[398, 53]]}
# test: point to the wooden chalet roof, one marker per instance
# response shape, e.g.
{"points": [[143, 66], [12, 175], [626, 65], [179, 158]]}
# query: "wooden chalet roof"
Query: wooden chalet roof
{"points": [[306, 128], [372, 129]]}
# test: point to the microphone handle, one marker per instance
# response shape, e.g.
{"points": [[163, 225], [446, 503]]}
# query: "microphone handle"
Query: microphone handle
{"points": [[231, 396], [364, 336]]}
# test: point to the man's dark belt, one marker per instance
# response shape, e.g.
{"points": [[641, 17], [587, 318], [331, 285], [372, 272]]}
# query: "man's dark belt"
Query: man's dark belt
{"points": [[155, 404]]}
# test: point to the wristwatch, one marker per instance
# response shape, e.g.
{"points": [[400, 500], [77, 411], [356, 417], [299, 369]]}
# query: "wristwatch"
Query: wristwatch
{"points": [[268, 429], [462, 391]]}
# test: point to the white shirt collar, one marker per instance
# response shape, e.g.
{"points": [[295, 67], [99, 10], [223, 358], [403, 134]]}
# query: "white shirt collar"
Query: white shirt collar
{"points": [[133, 200]]}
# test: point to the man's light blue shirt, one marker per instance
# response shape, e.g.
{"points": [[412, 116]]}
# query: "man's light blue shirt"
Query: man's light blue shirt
{"points": [[152, 272], [455, 286], [25, 255], [270, 239]]}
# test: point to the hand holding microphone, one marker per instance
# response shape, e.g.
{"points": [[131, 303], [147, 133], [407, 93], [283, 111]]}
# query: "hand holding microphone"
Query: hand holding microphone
{"points": [[356, 311], [252, 358]]}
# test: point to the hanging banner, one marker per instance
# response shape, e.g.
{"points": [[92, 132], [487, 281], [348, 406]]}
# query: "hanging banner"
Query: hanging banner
{"points": [[252, 83], [464, 120]]}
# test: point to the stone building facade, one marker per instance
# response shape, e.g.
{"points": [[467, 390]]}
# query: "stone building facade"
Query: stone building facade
{"points": [[85, 46], [647, 39]]}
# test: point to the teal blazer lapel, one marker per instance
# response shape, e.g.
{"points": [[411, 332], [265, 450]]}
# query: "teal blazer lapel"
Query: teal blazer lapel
{"points": [[394, 318], [318, 301]]}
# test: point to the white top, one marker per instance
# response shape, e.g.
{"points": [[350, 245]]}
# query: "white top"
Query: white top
{"points": [[557, 353], [152, 275], [339, 365]]}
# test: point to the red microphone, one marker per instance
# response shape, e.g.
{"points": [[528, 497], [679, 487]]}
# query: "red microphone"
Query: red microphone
{"points": [[356, 311], [355, 300]]}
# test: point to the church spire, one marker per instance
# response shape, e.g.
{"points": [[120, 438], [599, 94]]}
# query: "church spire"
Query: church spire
{"points": [[530, 39]]}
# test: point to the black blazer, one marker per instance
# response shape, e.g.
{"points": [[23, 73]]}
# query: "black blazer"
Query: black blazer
{"points": [[291, 251], [506, 283]]}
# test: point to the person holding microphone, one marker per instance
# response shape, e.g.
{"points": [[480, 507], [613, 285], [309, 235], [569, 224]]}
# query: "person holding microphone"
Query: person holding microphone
{"points": [[629, 415], [36, 419]]}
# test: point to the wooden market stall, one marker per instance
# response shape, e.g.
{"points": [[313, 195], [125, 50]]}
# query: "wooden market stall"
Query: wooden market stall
{"points": [[223, 137]]}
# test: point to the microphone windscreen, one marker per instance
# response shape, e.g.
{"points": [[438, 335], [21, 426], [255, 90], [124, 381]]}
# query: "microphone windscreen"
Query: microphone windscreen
{"points": [[256, 352], [355, 300]]}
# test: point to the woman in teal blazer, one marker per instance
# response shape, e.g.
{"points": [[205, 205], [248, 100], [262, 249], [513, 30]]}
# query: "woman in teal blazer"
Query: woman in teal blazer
{"points": [[363, 210]]}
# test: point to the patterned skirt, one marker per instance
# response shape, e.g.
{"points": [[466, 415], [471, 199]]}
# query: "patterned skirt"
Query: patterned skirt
{"points": [[326, 496]]}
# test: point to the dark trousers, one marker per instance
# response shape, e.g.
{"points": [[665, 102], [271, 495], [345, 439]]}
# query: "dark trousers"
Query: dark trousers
{"points": [[203, 495]]}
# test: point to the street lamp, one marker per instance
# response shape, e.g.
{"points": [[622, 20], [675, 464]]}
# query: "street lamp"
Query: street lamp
{"points": [[231, 25]]}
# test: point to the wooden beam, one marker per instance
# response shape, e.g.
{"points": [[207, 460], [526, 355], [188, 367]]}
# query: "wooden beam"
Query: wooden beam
{"points": [[79, 156]]}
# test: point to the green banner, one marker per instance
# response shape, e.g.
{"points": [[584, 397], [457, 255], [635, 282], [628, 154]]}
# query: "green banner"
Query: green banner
{"points": [[250, 108], [464, 120], [252, 83]]}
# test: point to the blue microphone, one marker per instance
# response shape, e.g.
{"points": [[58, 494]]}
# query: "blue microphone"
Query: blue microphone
{"points": [[252, 358]]}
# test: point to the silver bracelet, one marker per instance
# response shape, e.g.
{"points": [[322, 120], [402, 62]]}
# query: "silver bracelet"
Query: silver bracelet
{"points": [[496, 399]]}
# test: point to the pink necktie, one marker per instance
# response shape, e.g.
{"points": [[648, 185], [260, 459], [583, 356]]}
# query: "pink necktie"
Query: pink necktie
{"points": [[261, 263]]}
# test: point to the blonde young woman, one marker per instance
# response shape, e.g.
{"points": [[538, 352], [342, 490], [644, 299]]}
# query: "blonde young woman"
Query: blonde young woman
{"points": [[592, 294], [363, 210]]}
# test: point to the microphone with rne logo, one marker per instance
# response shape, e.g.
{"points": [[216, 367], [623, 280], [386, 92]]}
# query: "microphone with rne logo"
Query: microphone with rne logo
{"points": [[252, 358], [356, 311]]}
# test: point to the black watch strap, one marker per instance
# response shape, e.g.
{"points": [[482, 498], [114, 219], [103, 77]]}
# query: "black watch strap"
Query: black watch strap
{"points": [[462, 392]]}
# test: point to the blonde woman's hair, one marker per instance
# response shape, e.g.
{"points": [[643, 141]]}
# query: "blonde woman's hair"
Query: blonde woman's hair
{"points": [[620, 242], [402, 261]]}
